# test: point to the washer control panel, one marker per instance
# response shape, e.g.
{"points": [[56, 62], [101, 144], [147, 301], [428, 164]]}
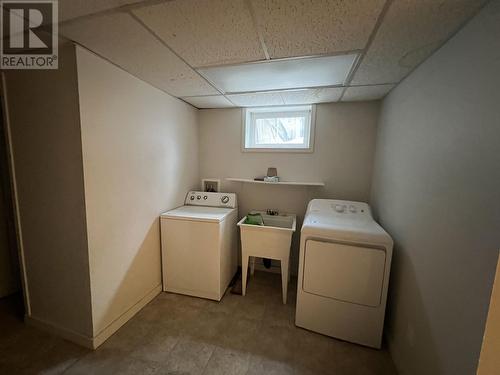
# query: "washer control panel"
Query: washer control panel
{"points": [[201, 198]]}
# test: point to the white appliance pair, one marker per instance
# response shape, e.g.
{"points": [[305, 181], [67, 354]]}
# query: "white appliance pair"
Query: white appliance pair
{"points": [[199, 245], [344, 265]]}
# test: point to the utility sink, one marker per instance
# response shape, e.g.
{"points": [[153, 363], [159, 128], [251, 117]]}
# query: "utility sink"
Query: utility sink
{"points": [[271, 240]]}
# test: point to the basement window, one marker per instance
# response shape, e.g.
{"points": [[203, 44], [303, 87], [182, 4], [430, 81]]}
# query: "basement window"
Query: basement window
{"points": [[279, 129]]}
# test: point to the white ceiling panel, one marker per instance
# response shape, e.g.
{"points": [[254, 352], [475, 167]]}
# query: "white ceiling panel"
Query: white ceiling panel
{"points": [[205, 32], [364, 93], [281, 74], [312, 96], [287, 97], [212, 101], [310, 27], [69, 9], [122, 40], [257, 99], [410, 32]]}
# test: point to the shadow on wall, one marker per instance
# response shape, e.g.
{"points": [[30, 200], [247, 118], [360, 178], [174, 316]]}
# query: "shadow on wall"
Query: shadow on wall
{"points": [[410, 321], [132, 282]]}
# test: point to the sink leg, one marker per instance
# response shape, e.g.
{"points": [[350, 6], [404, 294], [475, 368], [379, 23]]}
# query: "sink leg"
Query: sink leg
{"points": [[284, 278], [252, 265], [244, 272]]}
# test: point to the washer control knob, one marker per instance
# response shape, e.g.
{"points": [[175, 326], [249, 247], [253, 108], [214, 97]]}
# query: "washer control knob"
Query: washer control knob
{"points": [[205, 197], [198, 197], [191, 197], [339, 208], [224, 199], [352, 209]]}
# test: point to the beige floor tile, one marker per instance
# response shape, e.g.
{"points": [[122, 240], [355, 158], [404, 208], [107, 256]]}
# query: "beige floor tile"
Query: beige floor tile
{"points": [[240, 333], [209, 327], [263, 365], [157, 345], [229, 304], [177, 334], [189, 356], [279, 315], [108, 361], [227, 362], [274, 343], [36, 352], [314, 353]]}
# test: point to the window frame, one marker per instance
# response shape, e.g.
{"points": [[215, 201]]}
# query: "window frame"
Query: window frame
{"points": [[245, 131]]}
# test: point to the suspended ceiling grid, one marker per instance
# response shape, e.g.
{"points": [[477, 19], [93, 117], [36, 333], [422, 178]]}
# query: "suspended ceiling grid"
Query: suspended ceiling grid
{"points": [[166, 43]]}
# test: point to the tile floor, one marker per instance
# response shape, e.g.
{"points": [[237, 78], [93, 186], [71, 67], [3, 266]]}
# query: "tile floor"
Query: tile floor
{"points": [[177, 334]]}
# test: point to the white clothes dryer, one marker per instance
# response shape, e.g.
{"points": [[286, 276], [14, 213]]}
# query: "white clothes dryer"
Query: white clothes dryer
{"points": [[344, 266]]}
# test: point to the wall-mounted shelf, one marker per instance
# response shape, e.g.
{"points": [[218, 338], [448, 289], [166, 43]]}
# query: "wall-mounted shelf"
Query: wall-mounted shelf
{"points": [[290, 183]]}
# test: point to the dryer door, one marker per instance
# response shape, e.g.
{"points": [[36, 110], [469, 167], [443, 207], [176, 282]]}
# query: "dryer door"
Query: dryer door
{"points": [[343, 272]]}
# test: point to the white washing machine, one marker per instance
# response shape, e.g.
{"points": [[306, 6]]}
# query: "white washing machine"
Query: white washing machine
{"points": [[199, 245], [344, 265]]}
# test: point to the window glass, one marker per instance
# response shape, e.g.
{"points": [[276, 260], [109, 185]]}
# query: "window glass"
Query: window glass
{"points": [[278, 128]]}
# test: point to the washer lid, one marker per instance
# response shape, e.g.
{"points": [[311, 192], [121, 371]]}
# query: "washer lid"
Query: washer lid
{"points": [[344, 228], [197, 213]]}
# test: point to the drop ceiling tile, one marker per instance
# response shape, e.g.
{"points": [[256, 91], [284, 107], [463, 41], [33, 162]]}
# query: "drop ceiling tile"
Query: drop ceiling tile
{"points": [[205, 32], [212, 101], [410, 32], [310, 27], [257, 99], [281, 74], [69, 9], [364, 93], [122, 40], [312, 96]]}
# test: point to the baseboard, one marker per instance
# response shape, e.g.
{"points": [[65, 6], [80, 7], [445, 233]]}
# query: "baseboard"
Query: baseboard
{"points": [[66, 334], [101, 337]]}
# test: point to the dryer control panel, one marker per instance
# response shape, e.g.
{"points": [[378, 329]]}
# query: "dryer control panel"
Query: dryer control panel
{"points": [[202, 198], [339, 208]]}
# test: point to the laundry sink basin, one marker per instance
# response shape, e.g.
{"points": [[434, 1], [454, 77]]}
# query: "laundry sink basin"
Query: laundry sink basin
{"points": [[280, 221], [270, 240]]}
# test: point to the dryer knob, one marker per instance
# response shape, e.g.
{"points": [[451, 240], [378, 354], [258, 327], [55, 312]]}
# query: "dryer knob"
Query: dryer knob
{"points": [[339, 208], [224, 199]]}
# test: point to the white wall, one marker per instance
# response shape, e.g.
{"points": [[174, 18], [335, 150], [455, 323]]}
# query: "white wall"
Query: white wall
{"points": [[436, 190], [44, 127], [342, 158], [98, 155], [140, 157]]}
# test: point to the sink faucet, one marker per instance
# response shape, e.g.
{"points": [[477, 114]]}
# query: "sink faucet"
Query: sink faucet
{"points": [[272, 212]]}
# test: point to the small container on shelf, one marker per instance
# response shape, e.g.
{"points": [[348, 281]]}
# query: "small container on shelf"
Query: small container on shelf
{"points": [[272, 179]]}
